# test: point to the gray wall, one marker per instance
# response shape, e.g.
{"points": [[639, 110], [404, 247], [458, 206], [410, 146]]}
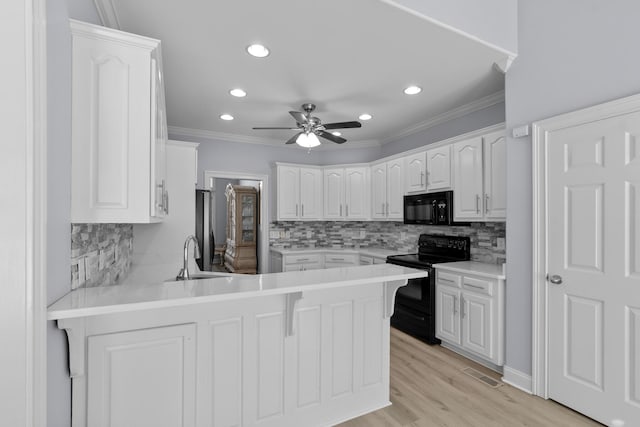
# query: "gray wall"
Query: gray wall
{"points": [[473, 121], [572, 54], [58, 205]]}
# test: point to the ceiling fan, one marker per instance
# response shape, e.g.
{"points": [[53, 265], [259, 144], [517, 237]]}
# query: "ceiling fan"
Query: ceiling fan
{"points": [[311, 127]]}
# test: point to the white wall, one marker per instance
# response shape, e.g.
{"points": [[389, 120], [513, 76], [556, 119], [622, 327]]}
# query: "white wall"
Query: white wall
{"points": [[572, 54]]}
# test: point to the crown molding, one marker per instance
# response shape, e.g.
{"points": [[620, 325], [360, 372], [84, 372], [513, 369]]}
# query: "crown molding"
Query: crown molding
{"points": [[463, 110], [181, 133], [107, 13]]}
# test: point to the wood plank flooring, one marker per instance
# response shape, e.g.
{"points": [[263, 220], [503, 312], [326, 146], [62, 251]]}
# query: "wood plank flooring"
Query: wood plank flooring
{"points": [[428, 388]]}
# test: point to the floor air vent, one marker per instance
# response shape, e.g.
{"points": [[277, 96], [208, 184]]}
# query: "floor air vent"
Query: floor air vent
{"points": [[482, 377]]}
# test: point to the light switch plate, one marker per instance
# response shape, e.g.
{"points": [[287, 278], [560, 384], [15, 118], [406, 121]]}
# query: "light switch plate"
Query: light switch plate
{"points": [[520, 131]]}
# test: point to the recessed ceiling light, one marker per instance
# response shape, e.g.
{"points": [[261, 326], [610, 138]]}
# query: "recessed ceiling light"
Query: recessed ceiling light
{"points": [[413, 90], [365, 116], [258, 50], [238, 93], [337, 133], [226, 117]]}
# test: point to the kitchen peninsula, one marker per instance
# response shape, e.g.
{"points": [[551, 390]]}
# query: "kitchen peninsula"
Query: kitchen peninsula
{"points": [[283, 349]]}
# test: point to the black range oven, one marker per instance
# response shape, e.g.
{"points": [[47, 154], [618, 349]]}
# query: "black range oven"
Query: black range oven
{"points": [[415, 306]]}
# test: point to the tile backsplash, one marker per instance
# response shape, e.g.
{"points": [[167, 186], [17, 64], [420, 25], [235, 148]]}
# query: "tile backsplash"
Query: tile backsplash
{"points": [[487, 238], [100, 253]]}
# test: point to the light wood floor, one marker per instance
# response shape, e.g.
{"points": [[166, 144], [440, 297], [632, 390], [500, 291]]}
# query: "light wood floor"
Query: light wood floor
{"points": [[428, 388]]}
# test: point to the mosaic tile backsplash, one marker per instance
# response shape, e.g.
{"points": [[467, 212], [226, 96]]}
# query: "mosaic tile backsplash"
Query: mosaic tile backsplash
{"points": [[100, 253], [487, 238]]}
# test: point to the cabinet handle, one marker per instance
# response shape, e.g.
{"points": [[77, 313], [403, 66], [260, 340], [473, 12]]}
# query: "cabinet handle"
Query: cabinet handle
{"points": [[486, 203], [474, 286], [455, 305], [382, 208], [477, 203], [302, 259], [302, 210], [340, 210], [387, 208], [337, 259], [442, 279], [421, 178], [462, 305], [166, 204]]}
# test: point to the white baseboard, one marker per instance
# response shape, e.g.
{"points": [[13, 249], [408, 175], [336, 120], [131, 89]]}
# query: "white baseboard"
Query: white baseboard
{"points": [[517, 379]]}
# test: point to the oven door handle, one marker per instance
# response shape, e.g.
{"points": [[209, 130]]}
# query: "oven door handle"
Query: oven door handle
{"points": [[434, 207]]}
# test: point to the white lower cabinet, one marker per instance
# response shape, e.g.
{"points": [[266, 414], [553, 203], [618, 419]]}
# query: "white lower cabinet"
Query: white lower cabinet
{"points": [[313, 358], [156, 366], [470, 313]]}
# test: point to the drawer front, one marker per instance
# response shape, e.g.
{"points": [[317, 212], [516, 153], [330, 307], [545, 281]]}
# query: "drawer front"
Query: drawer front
{"points": [[481, 286], [448, 279], [366, 260], [302, 259], [349, 259], [302, 266]]}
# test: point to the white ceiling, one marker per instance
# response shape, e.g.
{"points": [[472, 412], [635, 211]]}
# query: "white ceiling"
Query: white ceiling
{"points": [[347, 57]]}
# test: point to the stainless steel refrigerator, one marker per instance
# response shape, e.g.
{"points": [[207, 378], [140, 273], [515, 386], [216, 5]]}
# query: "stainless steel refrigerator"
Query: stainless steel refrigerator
{"points": [[204, 229]]}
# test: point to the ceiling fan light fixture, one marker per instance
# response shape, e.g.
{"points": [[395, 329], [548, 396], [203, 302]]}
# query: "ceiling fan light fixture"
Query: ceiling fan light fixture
{"points": [[336, 133], [226, 117], [413, 90], [238, 93], [365, 116], [308, 140], [258, 50]]}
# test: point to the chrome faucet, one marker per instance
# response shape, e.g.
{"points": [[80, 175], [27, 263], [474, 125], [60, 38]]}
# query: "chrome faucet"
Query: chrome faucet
{"points": [[184, 272]]}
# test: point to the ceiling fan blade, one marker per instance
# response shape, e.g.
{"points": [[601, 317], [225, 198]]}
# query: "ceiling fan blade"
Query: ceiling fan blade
{"points": [[342, 125], [287, 128], [292, 140], [300, 117], [331, 137]]}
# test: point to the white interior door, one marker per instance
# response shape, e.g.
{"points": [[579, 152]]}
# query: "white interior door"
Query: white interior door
{"points": [[593, 257]]}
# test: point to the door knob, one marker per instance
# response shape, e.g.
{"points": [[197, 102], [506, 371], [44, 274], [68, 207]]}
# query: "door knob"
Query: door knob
{"points": [[555, 279]]}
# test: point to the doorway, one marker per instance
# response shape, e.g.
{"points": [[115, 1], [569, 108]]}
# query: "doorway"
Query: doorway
{"points": [[587, 261], [216, 182]]}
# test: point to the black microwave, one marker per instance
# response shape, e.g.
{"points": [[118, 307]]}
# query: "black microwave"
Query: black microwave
{"points": [[429, 208]]}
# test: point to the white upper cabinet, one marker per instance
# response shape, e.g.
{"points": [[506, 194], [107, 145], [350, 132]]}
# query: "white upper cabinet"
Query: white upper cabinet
{"points": [[468, 191], [346, 193], [299, 193], [387, 189], [495, 175], [416, 172], [439, 168], [480, 178], [118, 127]]}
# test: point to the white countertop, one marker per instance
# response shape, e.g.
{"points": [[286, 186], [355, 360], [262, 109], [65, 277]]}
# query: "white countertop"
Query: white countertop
{"points": [[375, 252], [144, 295], [492, 271]]}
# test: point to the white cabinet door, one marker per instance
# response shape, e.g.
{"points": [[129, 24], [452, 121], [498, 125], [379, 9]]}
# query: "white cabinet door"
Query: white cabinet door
{"points": [[145, 377], [395, 189], [447, 314], [468, 188], [477, 324], [416, 173], [158, 190], [439, 168], [495, 175], [333, 193], [288, 192], [310, 193], [356, 193], [116, 107], [379, 191]]}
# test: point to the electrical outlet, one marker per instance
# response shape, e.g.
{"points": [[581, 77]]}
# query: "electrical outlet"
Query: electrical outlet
{"points": [[91, 264], [363, 234], [274, 234], [309, 234], [500, 243], [403, 235]]}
